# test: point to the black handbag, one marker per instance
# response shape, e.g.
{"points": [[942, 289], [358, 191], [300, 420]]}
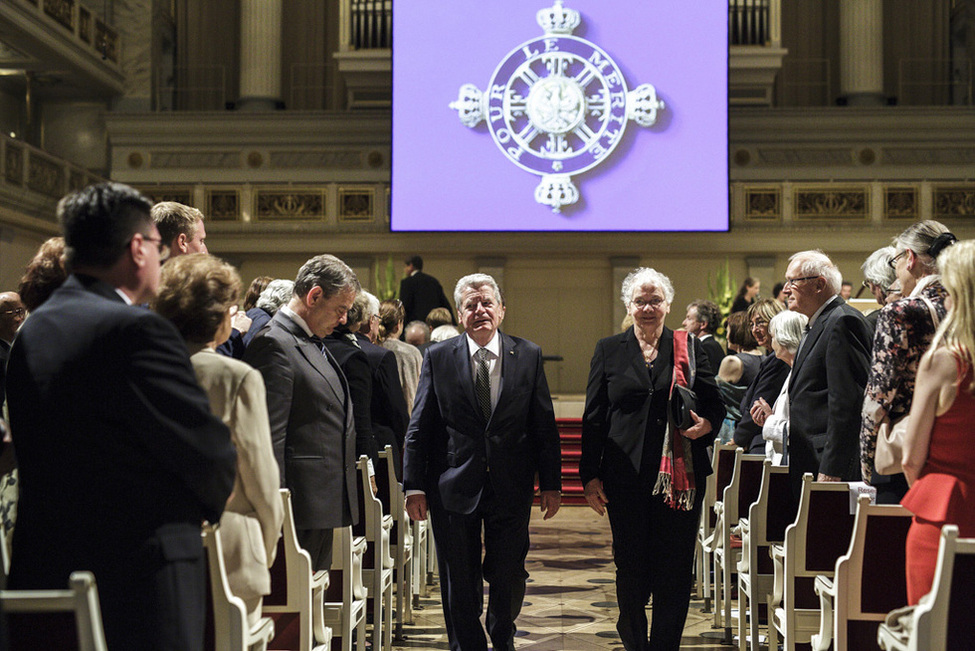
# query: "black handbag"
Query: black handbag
{"points": [[682, 401]]}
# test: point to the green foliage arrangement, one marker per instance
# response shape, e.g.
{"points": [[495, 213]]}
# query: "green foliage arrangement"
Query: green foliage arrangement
{"points": [[722, 288], [387, 281]]}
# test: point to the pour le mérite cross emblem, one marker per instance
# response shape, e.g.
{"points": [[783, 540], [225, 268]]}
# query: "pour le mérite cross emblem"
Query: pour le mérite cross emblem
{"points": [[557, 105]]}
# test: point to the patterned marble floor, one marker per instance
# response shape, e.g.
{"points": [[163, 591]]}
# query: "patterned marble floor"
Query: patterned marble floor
{"points": [[571, 598]]}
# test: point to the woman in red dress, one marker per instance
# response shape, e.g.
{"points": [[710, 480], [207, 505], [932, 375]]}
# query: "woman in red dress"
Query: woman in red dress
{"points": [[939, 455]]}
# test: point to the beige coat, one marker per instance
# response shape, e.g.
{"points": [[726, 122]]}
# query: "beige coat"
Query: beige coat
{"points": [[251, 523], [409, 359]]}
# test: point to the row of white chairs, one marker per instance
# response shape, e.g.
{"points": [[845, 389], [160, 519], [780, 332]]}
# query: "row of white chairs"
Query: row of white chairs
{"points": [[826, 575], [306, 608]]}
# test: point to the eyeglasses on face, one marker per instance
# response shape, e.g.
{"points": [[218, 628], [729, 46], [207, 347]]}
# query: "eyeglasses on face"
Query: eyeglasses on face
{"points": [[16, 312], [893, 261], [160, 246], [792, 282], [654, 302]]}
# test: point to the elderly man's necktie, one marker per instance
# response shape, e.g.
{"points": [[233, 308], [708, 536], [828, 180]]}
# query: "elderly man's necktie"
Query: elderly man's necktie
{"points": [[482, 383]]}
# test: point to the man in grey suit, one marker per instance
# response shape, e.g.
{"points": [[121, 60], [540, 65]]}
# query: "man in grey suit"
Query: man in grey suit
{"points": [[309, 403], [828, 376]]}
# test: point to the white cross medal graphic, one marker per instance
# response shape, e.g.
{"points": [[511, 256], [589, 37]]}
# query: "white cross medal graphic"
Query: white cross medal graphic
{"points": [[557, 106]]}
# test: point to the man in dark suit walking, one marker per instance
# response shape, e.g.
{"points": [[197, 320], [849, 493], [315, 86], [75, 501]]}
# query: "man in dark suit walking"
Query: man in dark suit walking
{"points": [[482, 426], [702, 321], [120, 458], [828, 376], [309, 403], [421, 292]]}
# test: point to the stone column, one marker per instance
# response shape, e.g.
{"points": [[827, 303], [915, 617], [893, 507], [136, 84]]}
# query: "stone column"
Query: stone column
{"points": [[260, 55], [862, 52]]}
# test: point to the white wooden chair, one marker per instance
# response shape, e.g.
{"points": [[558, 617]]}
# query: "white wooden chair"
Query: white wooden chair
{"points": [[52, 630], [722, 468], [401, 537], [345, 600], [377, 564], [819, 535], [766, 522], [869, 580], [231, 632], [944, 619], [297, 592], [421, 533]]}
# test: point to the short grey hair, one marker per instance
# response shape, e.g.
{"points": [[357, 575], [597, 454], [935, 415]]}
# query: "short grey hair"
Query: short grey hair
{"points": [[418, 325], [443, 333], [787, 327], [277, 293], [817, 263], [919, 237], [876, 268], [475, 281], [372, 305], [641, 277], [329, 273]]}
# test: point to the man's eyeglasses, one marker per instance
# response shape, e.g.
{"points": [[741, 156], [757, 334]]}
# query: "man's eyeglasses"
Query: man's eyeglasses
{"points": [[163, 248], [16, 312], [893, 261], [792, 282]]}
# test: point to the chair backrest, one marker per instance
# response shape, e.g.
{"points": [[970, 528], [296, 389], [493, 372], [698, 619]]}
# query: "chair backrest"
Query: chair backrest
{"points": [[56, 619], [946, 620], [291, 578], [226, 614], [385, 487], [766, 521], [723, 464], [819, 535], [870, 578], [749, 482]]}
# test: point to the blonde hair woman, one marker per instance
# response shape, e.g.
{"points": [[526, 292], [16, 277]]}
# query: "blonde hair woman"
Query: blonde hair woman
{"points": [[939, 458], [408, 357]]}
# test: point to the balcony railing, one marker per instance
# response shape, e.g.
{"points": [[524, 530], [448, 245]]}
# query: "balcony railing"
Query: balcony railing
{"points": [[749, 22], [90, 31], [370, 24]]}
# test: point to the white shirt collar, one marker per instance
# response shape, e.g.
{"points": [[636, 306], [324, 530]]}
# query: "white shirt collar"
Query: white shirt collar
{"points": [[703, 336], [297, 319], [125, 297], [493, 346], [822, 307]]}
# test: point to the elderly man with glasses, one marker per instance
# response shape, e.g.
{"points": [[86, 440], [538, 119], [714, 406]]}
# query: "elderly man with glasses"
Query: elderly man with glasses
{"points": [[828, 375]]}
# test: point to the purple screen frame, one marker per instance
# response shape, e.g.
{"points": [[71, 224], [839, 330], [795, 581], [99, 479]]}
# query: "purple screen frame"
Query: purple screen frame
{"points": [[672, 176]]}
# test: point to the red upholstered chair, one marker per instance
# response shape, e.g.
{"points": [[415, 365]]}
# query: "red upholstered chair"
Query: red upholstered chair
{"points": [[297, 593], [819, 536], [868, 582], [55, 619], [767, 520], [227, 627], [377, 564], [944, 620], [722, 467]]}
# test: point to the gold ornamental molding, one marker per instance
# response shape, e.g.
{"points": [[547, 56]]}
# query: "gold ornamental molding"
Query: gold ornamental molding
{"points": [[179, 193], [901, 202], [222, 205], [846, 203], [953, 201], [356, 203], [763, 204], [291, 204]]}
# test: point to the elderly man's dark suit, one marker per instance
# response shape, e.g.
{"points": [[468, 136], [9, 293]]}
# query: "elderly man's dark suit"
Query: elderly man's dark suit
{"points": [[120, 461], [475, 470], [310, 409], [826, 395], [421, 293]]}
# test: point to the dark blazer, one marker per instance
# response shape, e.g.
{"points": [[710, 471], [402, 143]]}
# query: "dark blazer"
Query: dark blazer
{"points": [[619, 418], [120, 460], [826, 395], [355, 366], [310, 409], [4, 353], [390, 415], [449, 445], [236, 344], [772, 373], [714, 351], [421, 293]]}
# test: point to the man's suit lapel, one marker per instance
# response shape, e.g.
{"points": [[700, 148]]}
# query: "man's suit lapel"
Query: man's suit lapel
{"points": [[812, 337], [312, 354], [462, 362], [509, 357]]}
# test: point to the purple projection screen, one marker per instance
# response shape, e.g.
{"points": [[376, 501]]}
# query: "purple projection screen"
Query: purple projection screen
{"points": [[590, 116]]}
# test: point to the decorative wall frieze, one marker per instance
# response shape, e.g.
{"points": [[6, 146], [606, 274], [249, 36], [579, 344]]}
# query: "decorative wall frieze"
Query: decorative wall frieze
{"points": [[273, 204], [194, 159], [45, 176], [356, 204], [901, 202], [223, 205], [13, 164], [62, 11], [832, 203], [954, 201], [179, 194], [763, 204], [946, 155], [796, 156], [343, 159]]}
